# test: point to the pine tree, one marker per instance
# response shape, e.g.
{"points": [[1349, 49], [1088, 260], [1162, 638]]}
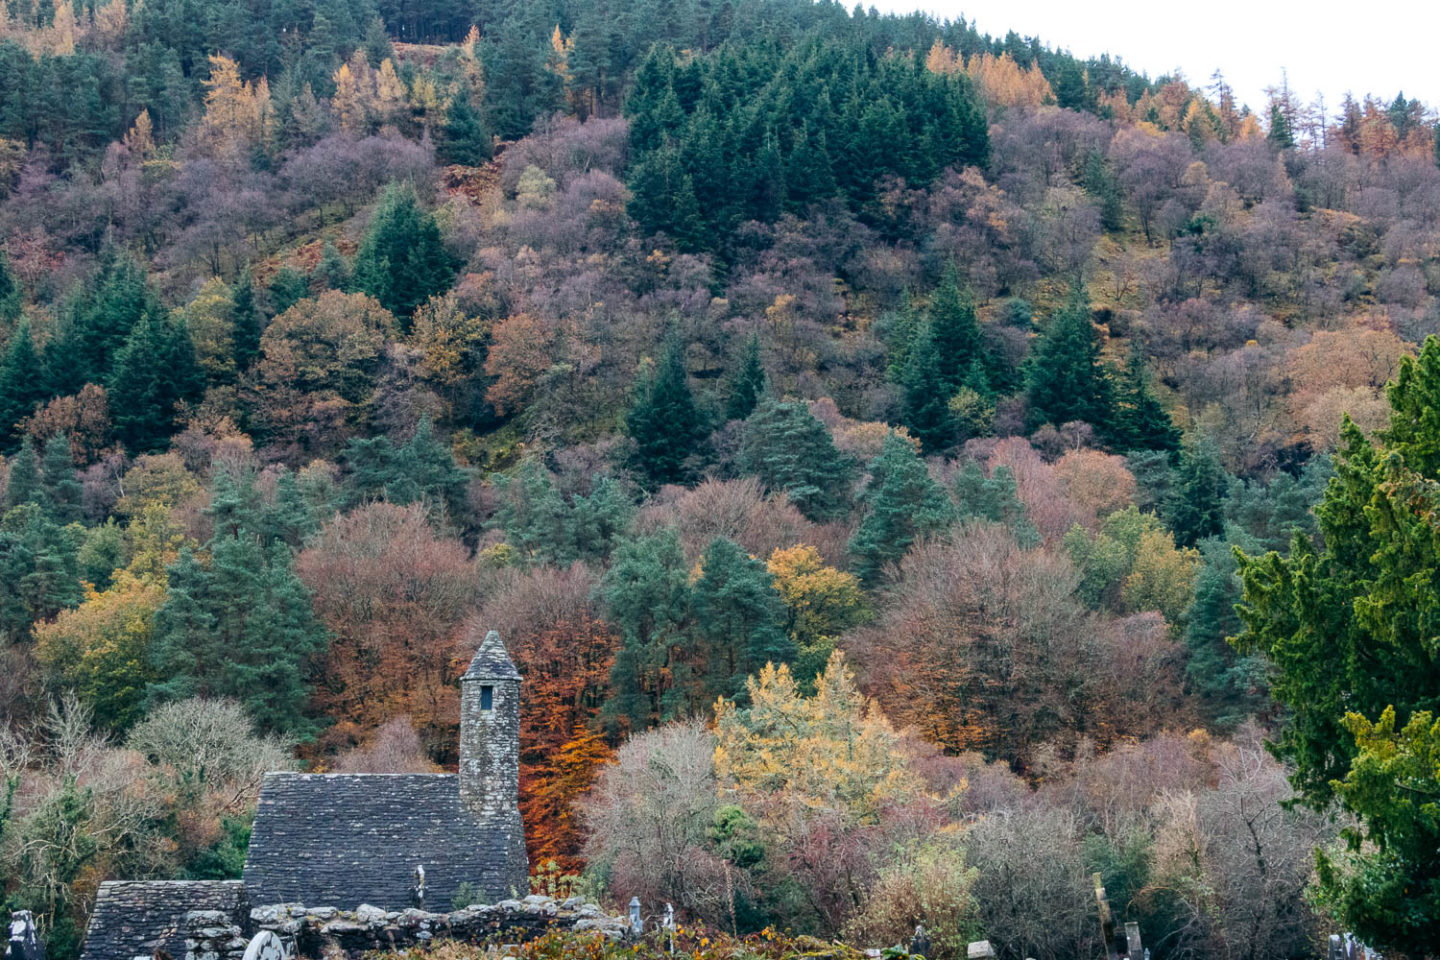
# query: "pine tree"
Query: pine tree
{"points": [[246, 329], [23, 484], [954, 330], [239, 626], [1140, 421], [902, 504], [1281, 135], [287, 288], [63, 495], [22, 383], [423, 469], [739, 616], [647, 599], [95, 325], [792, 452], [995, 498], [332, 272], [1066, 378], [464, 139], [1348, 624], [1232, 687], [1196, 508], [154, 375], [9, 292], [664, 422], [402, 261], [39, 567], [749, 383], [925, 399]]}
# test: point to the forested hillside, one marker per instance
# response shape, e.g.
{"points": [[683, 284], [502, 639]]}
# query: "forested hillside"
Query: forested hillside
{"points": [[861, 431]]}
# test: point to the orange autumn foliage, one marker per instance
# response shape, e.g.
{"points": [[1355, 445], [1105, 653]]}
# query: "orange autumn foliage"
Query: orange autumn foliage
{"points": [[565, 666]]}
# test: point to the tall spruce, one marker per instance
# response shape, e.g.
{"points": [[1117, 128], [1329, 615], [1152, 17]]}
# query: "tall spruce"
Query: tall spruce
{"points": [[664, 422], [749, 384], [1141, 422], [1348, 624], [739, 617], [154, 375], [23, 383], [1066, 377], [1196, 507], [902, 504], [63, 495], [402, 261], [792, 452]]}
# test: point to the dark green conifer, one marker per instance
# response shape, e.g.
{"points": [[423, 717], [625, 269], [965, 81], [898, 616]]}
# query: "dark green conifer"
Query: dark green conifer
{"points": [[664, 422]]}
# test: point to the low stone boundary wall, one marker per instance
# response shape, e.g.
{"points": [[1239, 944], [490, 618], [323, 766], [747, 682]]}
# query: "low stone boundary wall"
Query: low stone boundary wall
{"points": [[213, 935]]}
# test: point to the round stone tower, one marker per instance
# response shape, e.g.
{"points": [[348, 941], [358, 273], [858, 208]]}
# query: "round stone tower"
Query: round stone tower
{"points": [[490, 757]]}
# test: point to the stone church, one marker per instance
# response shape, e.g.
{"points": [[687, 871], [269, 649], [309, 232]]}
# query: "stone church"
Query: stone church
{"points": [[341, 840]]}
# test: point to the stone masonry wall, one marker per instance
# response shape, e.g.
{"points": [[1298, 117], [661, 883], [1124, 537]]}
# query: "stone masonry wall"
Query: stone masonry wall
{"points": [[212, 936]]}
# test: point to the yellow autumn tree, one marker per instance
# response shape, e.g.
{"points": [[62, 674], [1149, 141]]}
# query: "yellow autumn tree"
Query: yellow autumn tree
{"points": [[349, 102], [1005, 83], [471, 69], [140, 139], [101, 648], [389, 92], [820, 602], [210, 319], [236, 111], [833, 751], [1162, 577]]}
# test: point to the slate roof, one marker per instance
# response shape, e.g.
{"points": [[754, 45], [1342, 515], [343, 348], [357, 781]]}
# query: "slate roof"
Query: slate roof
{"points": [[491, 661], [345, 839], [133, 917]]}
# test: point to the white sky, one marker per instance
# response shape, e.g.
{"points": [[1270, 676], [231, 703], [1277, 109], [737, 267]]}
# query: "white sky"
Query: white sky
{"points": [[1331, 46]]}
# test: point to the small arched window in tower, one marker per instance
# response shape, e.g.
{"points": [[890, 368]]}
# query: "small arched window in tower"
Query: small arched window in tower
{"points": [[487, 698]]}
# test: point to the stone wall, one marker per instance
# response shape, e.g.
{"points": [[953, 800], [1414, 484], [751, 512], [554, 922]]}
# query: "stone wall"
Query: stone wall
{"points": [[314, 930]]}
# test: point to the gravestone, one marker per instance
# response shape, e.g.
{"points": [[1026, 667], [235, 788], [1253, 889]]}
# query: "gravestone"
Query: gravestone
{"points": [[24, 941], [265, 945]]}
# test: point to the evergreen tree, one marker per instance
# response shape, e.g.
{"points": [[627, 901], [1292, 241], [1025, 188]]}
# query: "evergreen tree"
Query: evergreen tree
{"points": [[464, 139], [1066, 378], [332, 272], [39, 569], [63, 493], [238, 626], [1196, 508], [1281, 134], [995, 498], [287, 288], [423, 469], [9, 292], [546, 528], [1348, 625], [954, 330], [96, 324], [1232, 687], [23, 484], [647, 599], [402, 262], [154, 375], [664, 422], [740, 617], [1099, 181], [902, 504], [246, 329], [1140, 421], [791, 452], [749, 383], [22, 383], [925, 397]]}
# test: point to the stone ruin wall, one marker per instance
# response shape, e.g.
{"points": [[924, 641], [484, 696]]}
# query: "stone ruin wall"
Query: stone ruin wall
{"points": [[318, 931]]}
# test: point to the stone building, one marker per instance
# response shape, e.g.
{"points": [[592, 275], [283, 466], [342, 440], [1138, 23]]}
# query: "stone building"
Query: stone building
{"points": [[342, 840]]}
